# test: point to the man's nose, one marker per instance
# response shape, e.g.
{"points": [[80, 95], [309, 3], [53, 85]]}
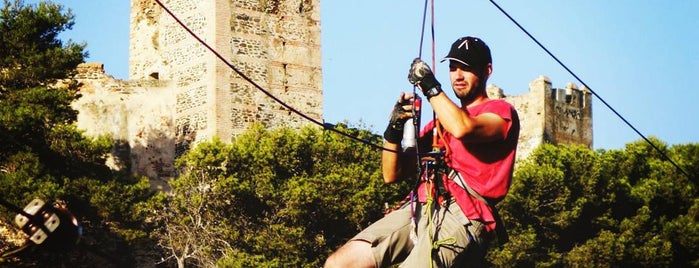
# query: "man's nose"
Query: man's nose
{"points": [[459, 73]]}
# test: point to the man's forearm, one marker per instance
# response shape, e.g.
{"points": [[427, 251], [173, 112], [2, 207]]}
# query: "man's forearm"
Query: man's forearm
{"points": [[396, 165]]}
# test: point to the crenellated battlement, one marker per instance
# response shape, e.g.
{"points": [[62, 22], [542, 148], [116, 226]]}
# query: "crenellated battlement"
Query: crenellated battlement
{"points": [[91, 70], [571, 95]]}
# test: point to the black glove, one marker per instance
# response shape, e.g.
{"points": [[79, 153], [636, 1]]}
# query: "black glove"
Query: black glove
{"points": [[394, 131], [421, 75]]}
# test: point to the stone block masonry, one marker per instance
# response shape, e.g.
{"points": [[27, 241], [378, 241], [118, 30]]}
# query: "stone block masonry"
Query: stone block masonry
{"points": [[550, 115], [137, 114], [178, 93]]}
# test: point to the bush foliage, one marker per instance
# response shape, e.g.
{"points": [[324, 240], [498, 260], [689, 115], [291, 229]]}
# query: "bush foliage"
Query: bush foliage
{"points": [[42, 153], [288, 198], [573, 207], [273, 198]]}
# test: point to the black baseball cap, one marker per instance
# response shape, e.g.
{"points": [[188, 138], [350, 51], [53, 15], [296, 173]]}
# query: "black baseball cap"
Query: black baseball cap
{"points": [[471, 51]]}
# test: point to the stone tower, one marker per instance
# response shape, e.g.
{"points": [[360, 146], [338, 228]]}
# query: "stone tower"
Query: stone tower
{"points": [[551, 115], [275, 43], [179, 93]]}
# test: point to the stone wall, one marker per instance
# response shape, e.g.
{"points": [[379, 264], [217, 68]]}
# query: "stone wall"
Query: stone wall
{"points": [[551, 115], [179, 93], [161, 49], [137, 114], [273, 43], [279, 42]]}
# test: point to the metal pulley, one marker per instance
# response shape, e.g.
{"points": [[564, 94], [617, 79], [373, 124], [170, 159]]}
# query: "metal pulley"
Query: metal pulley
{"points": [[50, 226]]}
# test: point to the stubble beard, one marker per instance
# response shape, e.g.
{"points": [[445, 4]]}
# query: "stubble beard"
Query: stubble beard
{"points": [[469, 94]]}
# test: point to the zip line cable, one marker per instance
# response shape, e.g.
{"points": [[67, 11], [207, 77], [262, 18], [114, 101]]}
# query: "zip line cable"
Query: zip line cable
{"points": [[592, 91], [249, 80], [422, 30], [434, 59], [16, 209], [416, 116], [292, 109]]}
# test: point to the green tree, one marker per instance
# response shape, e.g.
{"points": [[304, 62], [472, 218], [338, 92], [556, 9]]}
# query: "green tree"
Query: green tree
{"points": [[275, 197], [570, 206], [287, 198], [34, 56], [42, 153], [35, 116]]}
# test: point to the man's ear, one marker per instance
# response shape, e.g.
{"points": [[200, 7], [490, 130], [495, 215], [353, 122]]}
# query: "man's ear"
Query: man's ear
{"points": [[488, 70]]}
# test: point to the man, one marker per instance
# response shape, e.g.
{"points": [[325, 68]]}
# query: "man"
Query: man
{"points": [[451, 221]]}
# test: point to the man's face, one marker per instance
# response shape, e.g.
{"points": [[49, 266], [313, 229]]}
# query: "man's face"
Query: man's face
{"points": [[465, 80]]}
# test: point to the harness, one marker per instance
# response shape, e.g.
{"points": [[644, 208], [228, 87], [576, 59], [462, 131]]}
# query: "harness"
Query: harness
{"points": [[452, 174], [435, 168]]}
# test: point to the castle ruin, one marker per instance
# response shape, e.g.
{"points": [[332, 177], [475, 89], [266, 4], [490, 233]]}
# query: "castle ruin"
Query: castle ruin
{"points": [[179, 93], [550, 115]]}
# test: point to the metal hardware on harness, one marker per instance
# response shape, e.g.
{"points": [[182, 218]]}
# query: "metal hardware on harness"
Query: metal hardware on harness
{"points": [[433, 173], [45, 221], [53, 227]]}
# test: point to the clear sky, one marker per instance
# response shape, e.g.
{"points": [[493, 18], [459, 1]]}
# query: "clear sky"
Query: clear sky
{"points": [[639, 56]]}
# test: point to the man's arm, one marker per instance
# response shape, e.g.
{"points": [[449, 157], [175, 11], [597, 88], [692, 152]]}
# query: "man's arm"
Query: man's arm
{"points": [[398, 166], [482, 128], [395, 163], [456, 120]]}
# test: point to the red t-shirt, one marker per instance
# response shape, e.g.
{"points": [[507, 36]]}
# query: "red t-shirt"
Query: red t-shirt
{"points": [[485, 167]]}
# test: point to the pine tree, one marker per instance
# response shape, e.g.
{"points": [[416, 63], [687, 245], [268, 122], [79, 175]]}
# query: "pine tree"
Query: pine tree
{"points": [[42, 153]]}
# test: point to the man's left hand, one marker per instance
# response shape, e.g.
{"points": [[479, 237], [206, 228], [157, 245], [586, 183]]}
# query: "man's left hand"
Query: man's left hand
{"points": [[421, 75]]}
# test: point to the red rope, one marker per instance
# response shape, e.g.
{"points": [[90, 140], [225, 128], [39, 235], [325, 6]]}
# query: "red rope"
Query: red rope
{"points": [[434, 62]]}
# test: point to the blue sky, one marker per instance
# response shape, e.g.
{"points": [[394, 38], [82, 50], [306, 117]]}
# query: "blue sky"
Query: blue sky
{"points": [[639, 56]]}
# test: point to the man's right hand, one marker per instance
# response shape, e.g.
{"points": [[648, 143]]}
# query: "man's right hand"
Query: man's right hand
{"points": [[402, 111]]}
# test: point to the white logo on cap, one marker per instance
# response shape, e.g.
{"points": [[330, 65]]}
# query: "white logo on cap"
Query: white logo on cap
{"points": [[465, 42]]}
